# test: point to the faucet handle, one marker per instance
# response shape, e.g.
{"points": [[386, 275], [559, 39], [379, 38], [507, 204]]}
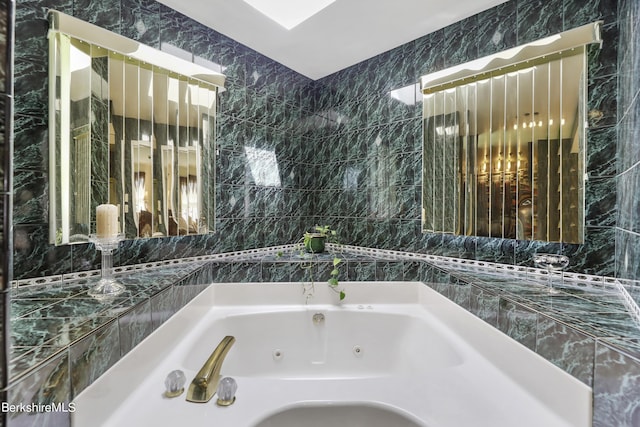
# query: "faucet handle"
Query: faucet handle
{"points": [[175, 383], [227, 391]]}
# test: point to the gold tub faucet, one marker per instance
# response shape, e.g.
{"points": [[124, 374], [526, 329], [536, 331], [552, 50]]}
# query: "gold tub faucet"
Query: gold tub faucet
{"points": [[204, 385]]}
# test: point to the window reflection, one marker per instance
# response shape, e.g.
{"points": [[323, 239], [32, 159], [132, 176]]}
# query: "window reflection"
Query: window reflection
{"points": [[263, 166]]}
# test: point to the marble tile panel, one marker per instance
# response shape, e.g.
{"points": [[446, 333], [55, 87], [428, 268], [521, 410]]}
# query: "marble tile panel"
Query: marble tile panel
{"points": [[389, 270], [440, 281], [232, 168], [30, 63], [627, 254], [538, 19], [147, 250], [408, 168], [93, 355], [484, 304], [231, 56], [312, 272], [388, 70], [430, 243], [602, 102], [256, 107], [134, 326], [629, 346], [577, 13], [48, 384], [600, 202], [630, 125], [23, 307], [185, 293], [5, 344], [30, 142], [352, 116], [627, 200], [361, 270], [163, 306], [290, 86], [259, 72], [570, 350], [611, 325], [277, 271], [81, 307], [601, 151], [603, 61], [413, 270], [462, 246], [425, 272], [403, 233], [461, 42], [518, 322], [596, 255], [33, 256], [180, 31], [241, 271], [496, 29], [430, 53], [616, 400], [572, 302], [106, 14], [141, 23], [30, 203], [460, 292], [24, 359], [6, 15], [232, 103]]}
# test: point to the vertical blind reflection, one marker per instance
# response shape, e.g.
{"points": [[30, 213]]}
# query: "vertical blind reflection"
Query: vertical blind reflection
{"points": [[503, 156]]}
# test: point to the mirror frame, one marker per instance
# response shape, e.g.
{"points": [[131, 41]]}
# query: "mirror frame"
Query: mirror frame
{"points": [[61, 25], [479, 71]]}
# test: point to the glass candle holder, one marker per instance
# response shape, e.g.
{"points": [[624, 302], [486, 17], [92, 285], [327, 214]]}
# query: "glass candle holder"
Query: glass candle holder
{"points": [[107, 286], [551, 262]]}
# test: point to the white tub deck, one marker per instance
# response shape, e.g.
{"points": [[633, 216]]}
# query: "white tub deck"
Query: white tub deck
{"points": [[397, 348]]}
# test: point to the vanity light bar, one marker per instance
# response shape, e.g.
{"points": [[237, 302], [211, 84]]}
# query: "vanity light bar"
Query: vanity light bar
{"points": [[527, 55], [62, 23]]}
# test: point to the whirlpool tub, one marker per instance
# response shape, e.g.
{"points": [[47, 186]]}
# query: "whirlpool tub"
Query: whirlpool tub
{"points": [[392, 354]]}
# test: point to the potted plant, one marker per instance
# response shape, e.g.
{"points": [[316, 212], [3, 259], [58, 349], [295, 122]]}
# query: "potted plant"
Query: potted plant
{"points": [[314, 243]]}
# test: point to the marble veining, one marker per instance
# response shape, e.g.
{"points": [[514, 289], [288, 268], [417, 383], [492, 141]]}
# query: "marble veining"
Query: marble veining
{"points": [[352, 113]]}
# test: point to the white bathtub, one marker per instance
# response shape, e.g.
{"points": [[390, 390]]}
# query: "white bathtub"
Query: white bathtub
{"points": [[395, 353]]}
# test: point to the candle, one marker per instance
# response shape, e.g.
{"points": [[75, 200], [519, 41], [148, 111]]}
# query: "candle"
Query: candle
{"points": [[106, 221]]}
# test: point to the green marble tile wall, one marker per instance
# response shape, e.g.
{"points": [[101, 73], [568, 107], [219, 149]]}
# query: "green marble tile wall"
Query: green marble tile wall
{"points": [[6, 103], [348, 151], [584, 331], [263, 110], [372, 138], [348, 154], [628, 150]]}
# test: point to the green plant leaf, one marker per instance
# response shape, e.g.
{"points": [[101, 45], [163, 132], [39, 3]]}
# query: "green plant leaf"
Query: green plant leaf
{"points": [[342, 295], [336, 261], [333, 282], [335, 272]]}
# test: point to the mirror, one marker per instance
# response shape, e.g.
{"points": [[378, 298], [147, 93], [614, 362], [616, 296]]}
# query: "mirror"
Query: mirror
{"points": [[128, 130], [504, 142]]}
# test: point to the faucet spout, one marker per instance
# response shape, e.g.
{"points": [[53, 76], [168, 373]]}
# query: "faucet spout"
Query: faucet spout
{"points": [[204, 385]]}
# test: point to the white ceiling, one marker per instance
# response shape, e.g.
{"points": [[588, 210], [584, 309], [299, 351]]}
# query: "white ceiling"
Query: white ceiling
{"points": [[343, 34]]}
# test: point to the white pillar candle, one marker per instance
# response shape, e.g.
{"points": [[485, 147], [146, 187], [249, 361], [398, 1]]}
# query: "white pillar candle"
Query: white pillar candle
{"points": [[106, 221]]}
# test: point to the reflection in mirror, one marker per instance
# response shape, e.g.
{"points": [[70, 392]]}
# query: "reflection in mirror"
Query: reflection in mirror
{"points": [[503, 146], [129, 131]]}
